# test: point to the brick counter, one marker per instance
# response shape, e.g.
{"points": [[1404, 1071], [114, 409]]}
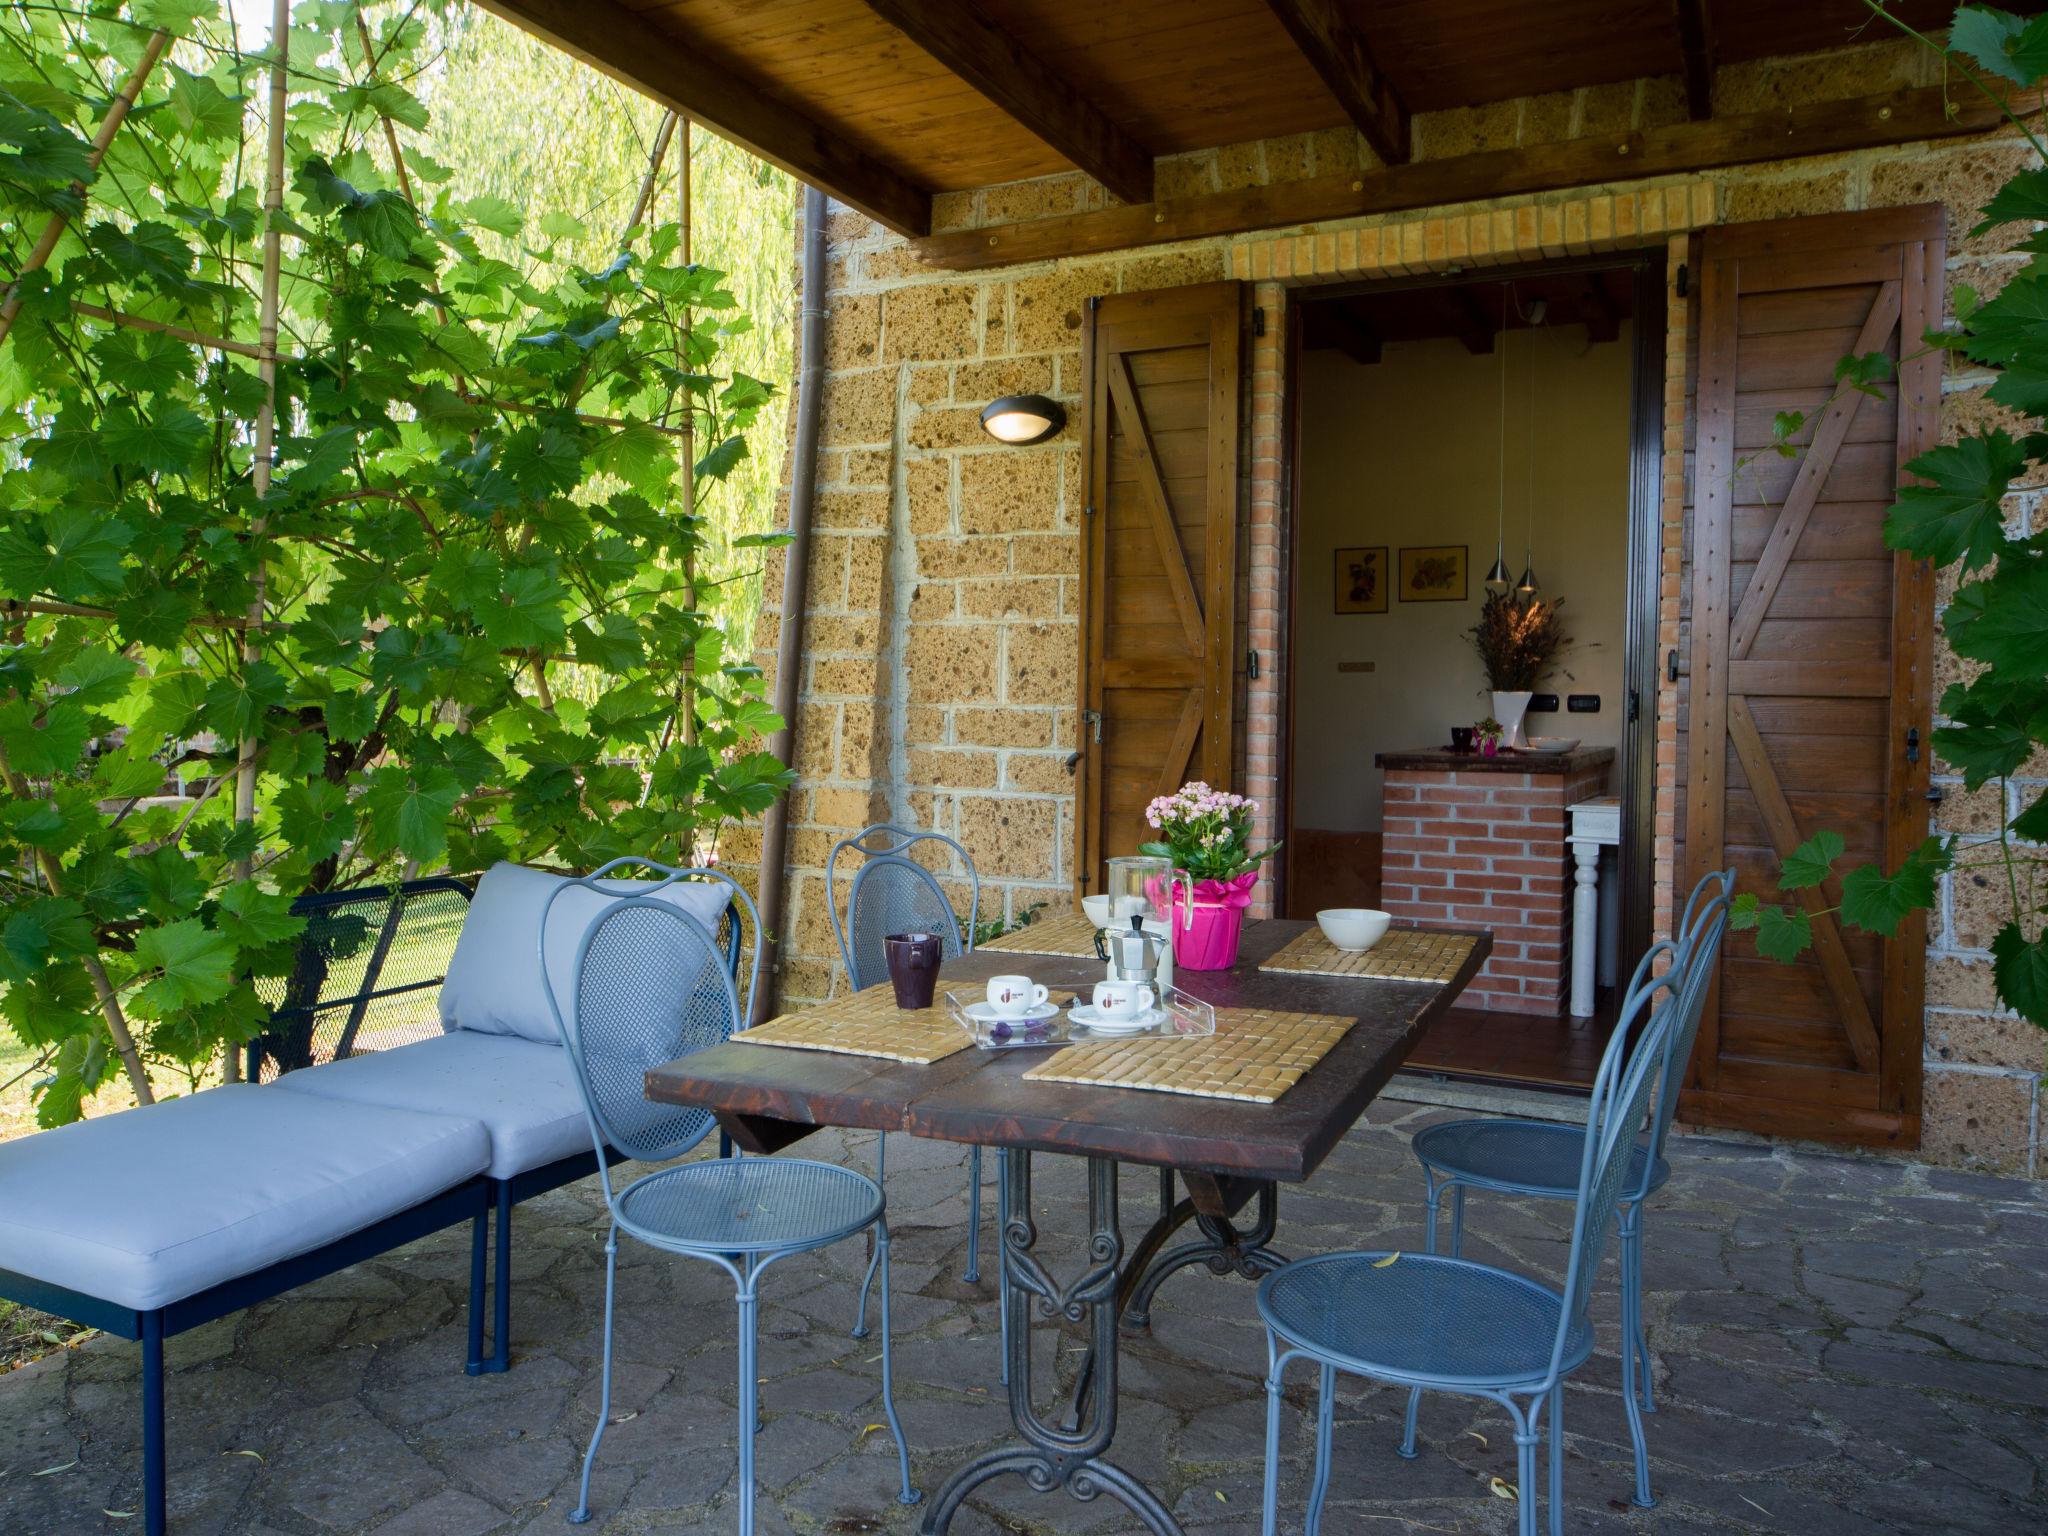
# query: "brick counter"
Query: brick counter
{"points": [[1481, 841]]}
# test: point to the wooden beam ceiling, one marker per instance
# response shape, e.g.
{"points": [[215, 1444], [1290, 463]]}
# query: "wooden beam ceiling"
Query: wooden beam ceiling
{"points": [[1336, 325], [1011, 76], [666, 67], [1472, 322], [1328, 41], [1696, 50], [1818, 128]]}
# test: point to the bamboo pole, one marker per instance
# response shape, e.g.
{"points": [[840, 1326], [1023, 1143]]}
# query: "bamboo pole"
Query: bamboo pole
{"points": [[655, 156], [117, 114], [689, 701]]}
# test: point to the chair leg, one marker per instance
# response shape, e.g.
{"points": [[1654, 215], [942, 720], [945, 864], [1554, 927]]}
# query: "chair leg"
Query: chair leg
{"points": [[972, 1274], [1526, 1435], [1269, 1521], [750, 1405], [1002, 1256], [1556, 1433], [1457, 1221], [1435, 1194], [1408, 1423], [909, 1495], [860, 1316], [479, 1243], [156, 1516], [1326, 1413], [1632, 1251], [1633, 1373], [501, 1309], [581, 1513]]}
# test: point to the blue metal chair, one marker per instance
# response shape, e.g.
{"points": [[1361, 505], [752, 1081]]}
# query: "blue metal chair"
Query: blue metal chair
{"points": [[650, 984], [892, 893], [1540, 1158], [1427, 1320]]}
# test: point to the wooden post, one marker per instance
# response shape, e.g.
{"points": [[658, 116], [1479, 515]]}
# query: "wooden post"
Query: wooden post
{"points": [[117, 114], [689, 689]]}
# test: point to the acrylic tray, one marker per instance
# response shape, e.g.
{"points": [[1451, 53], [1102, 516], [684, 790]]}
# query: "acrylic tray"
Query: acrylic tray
{"points": [[1185, 1017]]}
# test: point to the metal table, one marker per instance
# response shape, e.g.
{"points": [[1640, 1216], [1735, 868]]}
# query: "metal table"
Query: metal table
{"points": [[1225, 1154]]}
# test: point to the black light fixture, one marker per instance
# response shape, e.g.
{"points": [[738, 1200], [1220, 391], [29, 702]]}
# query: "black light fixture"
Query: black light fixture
{"points": [[1497, 578], [1022, 419]]}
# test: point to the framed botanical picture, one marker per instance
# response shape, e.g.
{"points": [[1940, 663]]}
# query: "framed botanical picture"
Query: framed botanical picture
{"points": [[1434, 573], [1362, 580]]}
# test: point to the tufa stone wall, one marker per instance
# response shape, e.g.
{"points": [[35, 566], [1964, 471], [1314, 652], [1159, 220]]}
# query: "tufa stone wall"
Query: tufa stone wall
{"points": [[941, 646]]}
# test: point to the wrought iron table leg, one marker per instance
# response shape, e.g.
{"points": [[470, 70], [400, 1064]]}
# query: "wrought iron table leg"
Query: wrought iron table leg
{"points": [[1051, 1456], [1224, 1248]]}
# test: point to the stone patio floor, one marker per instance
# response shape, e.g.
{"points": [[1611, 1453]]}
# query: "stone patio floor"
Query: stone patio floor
{"points": [[1842, 1345]]}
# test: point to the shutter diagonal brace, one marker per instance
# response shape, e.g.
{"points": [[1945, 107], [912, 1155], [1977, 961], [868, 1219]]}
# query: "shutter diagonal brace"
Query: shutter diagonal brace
{"points": [[1160, 511]]}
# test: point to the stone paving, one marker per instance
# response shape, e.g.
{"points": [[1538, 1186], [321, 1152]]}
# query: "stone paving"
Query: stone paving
{"points": [[1842, 1345]]}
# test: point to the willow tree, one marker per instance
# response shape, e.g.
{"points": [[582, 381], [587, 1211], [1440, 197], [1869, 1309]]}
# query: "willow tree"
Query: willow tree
{"points": [[289, 605]]}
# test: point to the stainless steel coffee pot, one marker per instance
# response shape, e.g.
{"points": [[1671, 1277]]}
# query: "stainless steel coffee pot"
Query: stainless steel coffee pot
{"points": [[1131, 953]]}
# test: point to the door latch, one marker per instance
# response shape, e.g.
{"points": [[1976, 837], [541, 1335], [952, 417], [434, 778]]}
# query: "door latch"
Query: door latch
{"points": [[1912, 743], [1251, 664], [1092, 718]]}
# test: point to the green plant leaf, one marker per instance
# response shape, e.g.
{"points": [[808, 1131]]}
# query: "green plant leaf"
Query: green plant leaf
{"points": [[408, 812], [1811, 862], [254, 917], [195, 965], [1783, 933], [2020, 969], [2032, 823], [2003, 618], [46, 744], [526, 613], [46, 927], [723, 459], [1982, 752], [2022, 200], [1873, 900], [1742, 911], [2006, 45], [315, 817], [1959, 516]]}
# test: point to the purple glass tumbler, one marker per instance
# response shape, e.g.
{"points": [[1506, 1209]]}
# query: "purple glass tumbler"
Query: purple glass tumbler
{"points": [[913, 967]]}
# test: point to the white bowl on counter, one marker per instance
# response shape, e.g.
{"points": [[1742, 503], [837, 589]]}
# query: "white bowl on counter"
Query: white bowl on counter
{"points": [[1555, 745], [1097, 909], [1353, 928]]}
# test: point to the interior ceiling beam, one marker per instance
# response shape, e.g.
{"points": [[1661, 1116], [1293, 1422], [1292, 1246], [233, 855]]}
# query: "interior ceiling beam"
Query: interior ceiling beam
{"points": [[1011, 76], [1696, 50], [1818, 128], [1602, 319], [667, 68], [1474, 323], [1338, 325], [1331, 45]]}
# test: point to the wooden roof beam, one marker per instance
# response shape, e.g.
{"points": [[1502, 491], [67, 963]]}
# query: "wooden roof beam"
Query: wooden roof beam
{"points": [[1784, 133], [1011, 76], [1602, 320], [1473, 323], [1337, 325], [1696, 50], [684, 79], [1330, 43]]}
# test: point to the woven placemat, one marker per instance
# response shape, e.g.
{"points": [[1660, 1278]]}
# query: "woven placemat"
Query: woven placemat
{"points": [[864, 1024], [1405, 954], [1069, 934], [1256, 1054]]}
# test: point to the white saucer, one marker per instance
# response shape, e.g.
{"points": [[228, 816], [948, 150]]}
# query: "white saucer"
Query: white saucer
{"points": [[1037, 1013], [1127, 1024]]}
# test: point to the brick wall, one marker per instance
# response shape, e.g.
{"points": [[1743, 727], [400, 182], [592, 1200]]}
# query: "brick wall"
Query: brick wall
{"points": [[941, 641]]}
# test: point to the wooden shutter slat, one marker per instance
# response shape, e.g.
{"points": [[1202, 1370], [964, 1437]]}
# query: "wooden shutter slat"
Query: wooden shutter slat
{"points": [[1828, 438], [1156, 503]]}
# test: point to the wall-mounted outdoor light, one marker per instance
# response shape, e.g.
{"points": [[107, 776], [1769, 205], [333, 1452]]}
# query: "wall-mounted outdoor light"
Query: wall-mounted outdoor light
{"points": [[1021, 419]]}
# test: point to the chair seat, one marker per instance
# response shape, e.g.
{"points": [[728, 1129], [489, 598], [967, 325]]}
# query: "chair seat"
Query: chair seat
{"points": [[1421, 1320], [522, 1091], [748, 1205], [151, 1205], [1522, 1157]]}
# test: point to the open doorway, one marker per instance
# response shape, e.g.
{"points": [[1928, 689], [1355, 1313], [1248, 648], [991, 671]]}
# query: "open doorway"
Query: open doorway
{"points": [[1440, 427]]}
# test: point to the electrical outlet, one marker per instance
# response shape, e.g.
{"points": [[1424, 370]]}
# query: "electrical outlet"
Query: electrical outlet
{"points": [[1583, 704], [1543, 704]]}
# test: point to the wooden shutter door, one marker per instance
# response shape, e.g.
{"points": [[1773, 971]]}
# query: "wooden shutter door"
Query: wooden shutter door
{"points": [[1159, 556], [1808, 697]]}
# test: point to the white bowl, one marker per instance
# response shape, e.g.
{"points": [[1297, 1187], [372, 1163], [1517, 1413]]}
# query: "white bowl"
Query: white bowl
{"points": [[1097, 908], [1553, 744], [1353, 928]]}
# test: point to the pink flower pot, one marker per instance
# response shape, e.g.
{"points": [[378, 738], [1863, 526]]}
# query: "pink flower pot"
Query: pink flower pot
{"points": [[1205, 936]]}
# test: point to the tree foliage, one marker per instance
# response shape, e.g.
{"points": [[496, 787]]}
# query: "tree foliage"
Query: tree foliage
{"points": [[1961, 510], [475, 495]]}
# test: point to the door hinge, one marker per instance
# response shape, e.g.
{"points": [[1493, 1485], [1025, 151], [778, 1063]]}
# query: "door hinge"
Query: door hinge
{"points": [[1088, 510], [1684, 283], [1912, 743], [1259, 320], [1092, 718], [1251, 663], [1671, 665]]}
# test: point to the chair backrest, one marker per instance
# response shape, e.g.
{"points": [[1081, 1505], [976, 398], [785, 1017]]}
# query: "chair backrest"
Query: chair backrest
{"points": [[649, 983], [1701, 929], [892, 893], [1622, 1091]]}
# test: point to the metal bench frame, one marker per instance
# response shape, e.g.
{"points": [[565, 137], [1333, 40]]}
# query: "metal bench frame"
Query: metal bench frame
{"points": [[475, 1200]]}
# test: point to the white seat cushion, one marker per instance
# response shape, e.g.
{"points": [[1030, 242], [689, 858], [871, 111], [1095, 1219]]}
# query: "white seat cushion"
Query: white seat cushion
{"points": [[148, 1206], [524, 1093], [494, 983]]}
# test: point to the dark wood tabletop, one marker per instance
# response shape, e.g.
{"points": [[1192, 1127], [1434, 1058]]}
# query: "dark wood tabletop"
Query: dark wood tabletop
{"points": [[767, 1098]]}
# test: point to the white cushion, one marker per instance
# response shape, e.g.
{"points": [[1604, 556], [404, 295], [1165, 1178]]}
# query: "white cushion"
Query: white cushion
{"points": [[523, 1092], [494, 977], [153, 1204]]}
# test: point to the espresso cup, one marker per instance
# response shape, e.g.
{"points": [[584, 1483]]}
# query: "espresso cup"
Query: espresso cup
{"points": [[1011, 996], [1123, 999]]}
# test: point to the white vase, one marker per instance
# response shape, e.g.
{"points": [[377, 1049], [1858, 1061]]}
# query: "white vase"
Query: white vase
{"points": [[1508, 709]]}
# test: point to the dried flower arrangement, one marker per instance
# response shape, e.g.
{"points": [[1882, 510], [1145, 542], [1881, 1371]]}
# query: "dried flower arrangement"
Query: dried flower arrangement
{"points": [[1517, 638]]}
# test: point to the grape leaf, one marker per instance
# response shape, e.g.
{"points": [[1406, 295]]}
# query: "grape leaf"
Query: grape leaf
{"points": [[1809, 864], [254, 917], [1873, 900], [1783, 933], [194, 964], [1959, 516], [2021, 970]]}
